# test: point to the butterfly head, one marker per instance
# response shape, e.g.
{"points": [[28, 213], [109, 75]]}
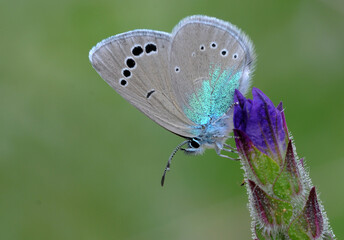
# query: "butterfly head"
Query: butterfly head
{"points": [[195, 146]]}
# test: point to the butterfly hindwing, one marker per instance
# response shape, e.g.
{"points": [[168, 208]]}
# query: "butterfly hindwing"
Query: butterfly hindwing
{"points": [[209, 59]]}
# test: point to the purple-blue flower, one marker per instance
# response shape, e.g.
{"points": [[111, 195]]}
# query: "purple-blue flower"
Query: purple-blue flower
{"points": [[273, 173], [262, 122]]}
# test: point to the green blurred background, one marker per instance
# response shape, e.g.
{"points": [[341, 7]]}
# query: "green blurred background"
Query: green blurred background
{"points": [[78, 162]]}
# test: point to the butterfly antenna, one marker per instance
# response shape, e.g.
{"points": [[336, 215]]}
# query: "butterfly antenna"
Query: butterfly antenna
{"points": [[167, 168]]}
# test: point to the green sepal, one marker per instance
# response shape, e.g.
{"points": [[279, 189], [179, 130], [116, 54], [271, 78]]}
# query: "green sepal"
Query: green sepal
{"points": [[263, 167], [271, 211], [298, 229], [288, 183], [309, 224]]}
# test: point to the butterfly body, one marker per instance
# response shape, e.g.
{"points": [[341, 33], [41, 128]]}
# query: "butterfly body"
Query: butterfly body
{"points": [[212, 135], [184, 81]]}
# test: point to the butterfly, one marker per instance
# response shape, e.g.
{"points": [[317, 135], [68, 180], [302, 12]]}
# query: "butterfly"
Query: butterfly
{"points": [[184, 80]]}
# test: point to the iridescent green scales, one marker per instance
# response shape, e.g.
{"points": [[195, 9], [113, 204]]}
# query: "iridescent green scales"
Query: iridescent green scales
{"points": [[214, 97]]}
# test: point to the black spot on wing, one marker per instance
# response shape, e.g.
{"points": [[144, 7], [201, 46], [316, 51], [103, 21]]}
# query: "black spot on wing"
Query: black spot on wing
{"points": [[126, 73], [130, 63], [149, 94], [137, 51], [150, 47]]}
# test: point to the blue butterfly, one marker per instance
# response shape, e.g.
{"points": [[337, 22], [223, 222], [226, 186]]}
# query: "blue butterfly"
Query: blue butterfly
{"points": [[184, 80]]}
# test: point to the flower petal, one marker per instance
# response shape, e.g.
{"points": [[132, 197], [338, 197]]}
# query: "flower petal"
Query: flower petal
{"points": [[262, 122], [241, 111]]}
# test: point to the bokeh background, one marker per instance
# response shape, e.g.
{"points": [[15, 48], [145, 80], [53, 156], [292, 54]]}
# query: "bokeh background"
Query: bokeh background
{"points": [[78, 162]]}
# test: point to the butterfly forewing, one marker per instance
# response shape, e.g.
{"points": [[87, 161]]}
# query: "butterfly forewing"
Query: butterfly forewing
{"points": [[209, 58], [136, 65]]}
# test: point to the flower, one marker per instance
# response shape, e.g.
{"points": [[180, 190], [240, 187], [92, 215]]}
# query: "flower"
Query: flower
{"points": [[282, 200], [262, 122]]}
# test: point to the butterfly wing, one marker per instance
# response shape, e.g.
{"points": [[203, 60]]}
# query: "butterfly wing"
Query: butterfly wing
{"points": [[209, 59], [135, 64]]}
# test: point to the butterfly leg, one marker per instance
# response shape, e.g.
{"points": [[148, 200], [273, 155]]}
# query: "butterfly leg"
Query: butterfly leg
{"points": [[218, 152], [229, 148], [225, 156]]}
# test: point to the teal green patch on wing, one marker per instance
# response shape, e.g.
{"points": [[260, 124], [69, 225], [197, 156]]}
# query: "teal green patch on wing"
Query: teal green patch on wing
{"points": [[214, 97]]}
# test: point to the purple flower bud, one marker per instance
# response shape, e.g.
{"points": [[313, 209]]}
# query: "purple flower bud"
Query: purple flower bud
{"points": [[277, 181], [262, 122]]}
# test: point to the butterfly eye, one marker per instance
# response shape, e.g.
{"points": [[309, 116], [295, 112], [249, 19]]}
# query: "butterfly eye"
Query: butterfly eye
{"points": [[202, 47], [235, 56], [137, 51], [194, 143], [177, 69]]}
